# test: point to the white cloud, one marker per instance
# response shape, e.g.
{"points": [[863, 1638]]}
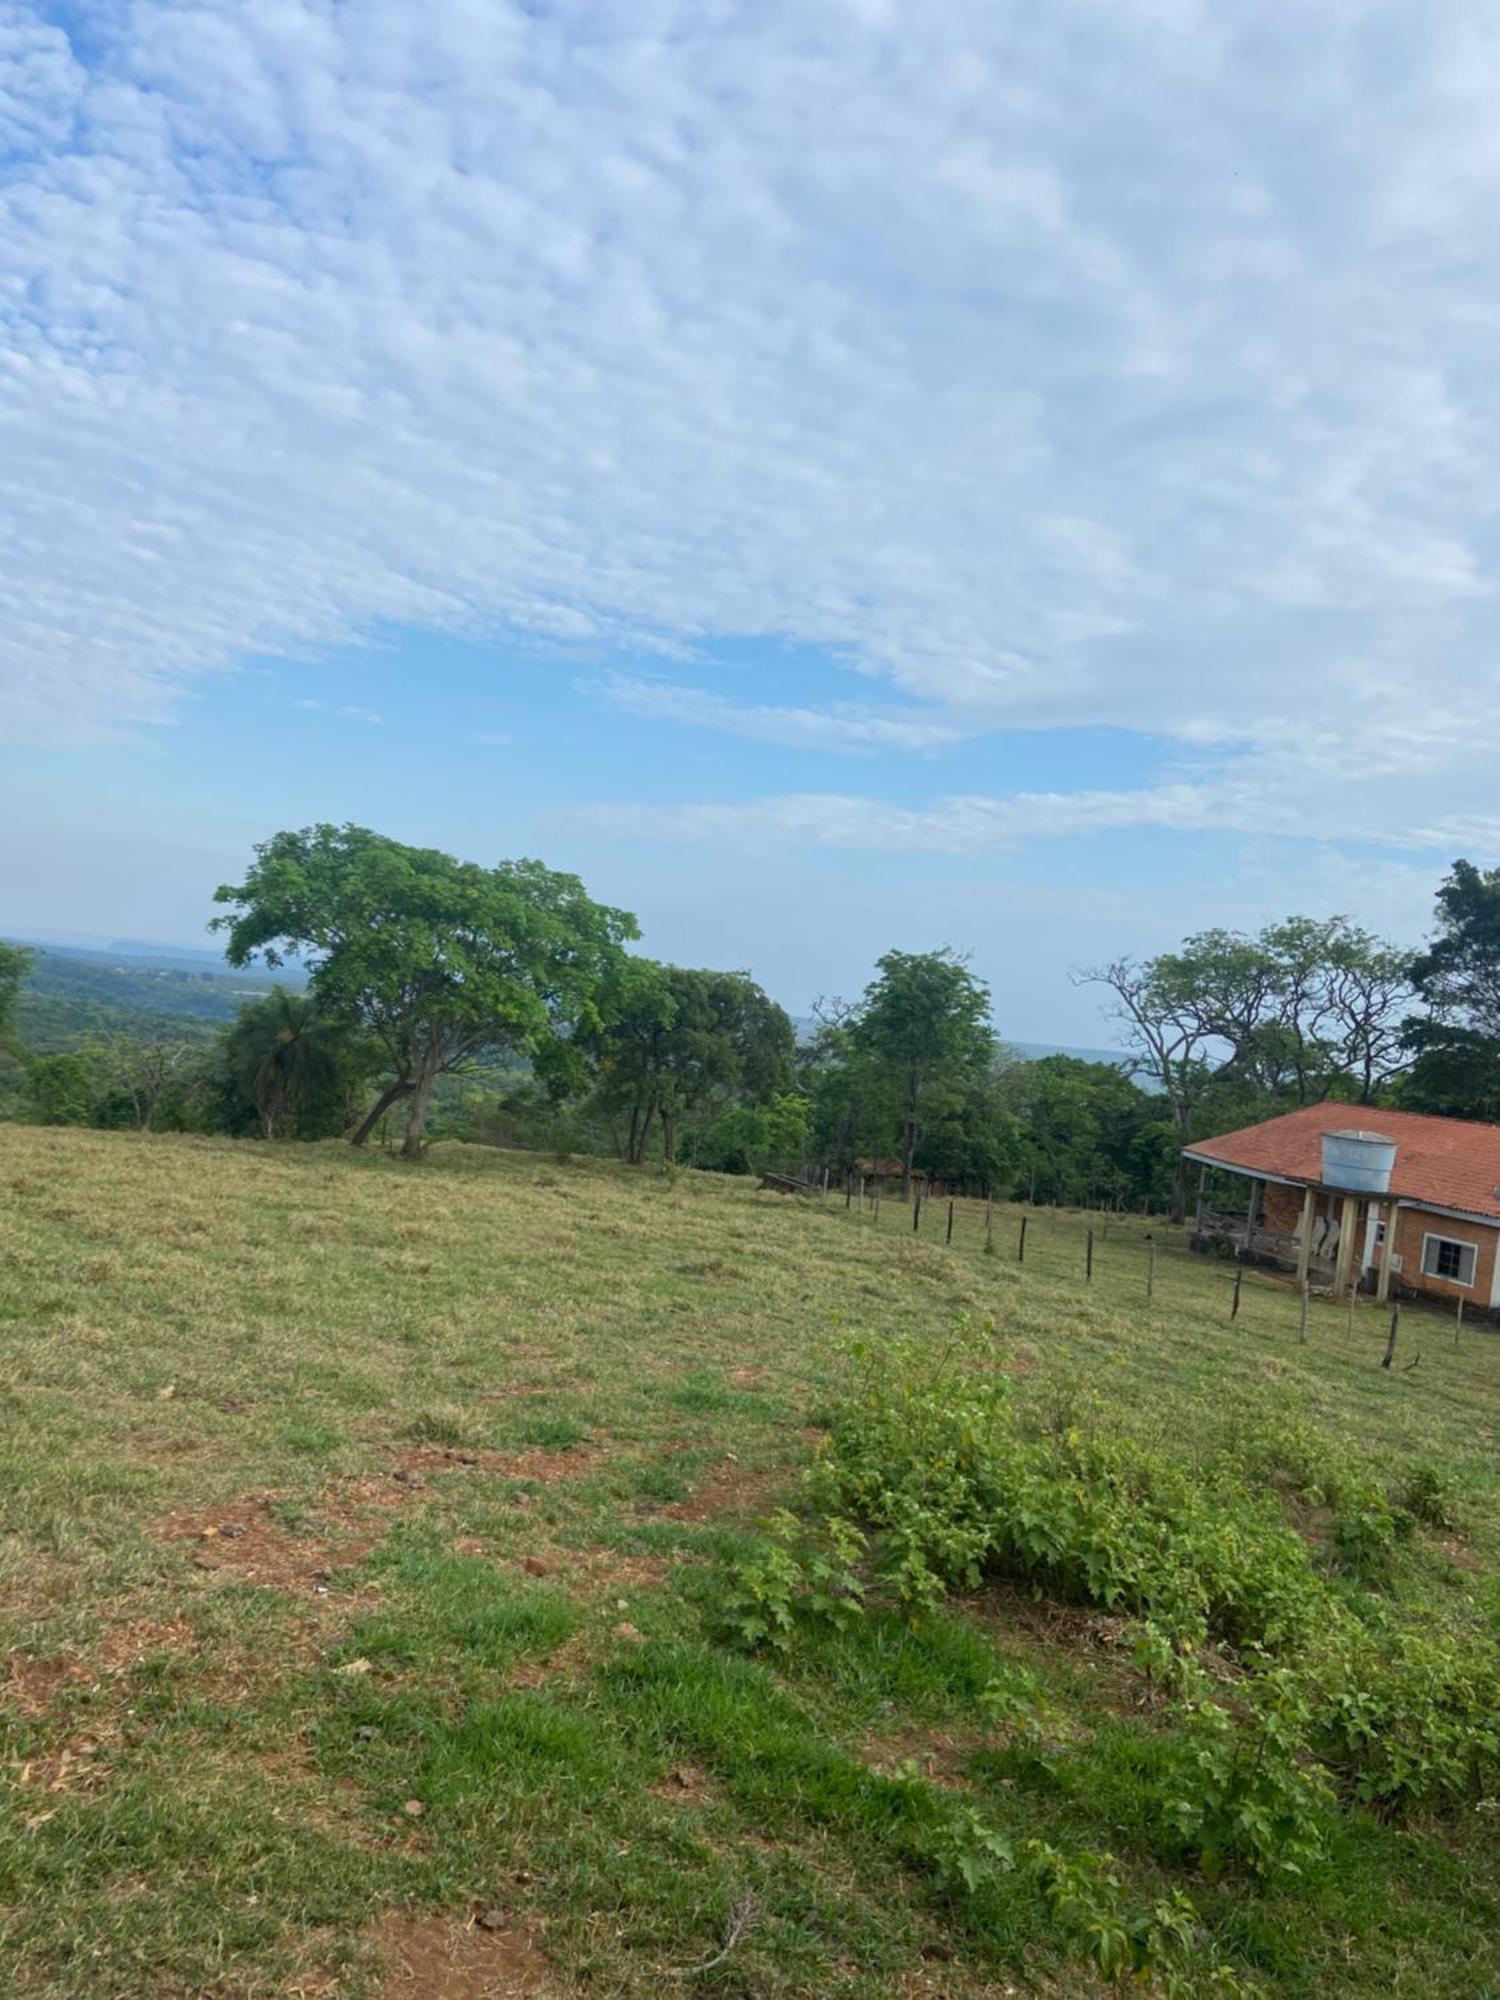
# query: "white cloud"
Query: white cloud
{"points": [[350, 711], [1126, 365], [1244, 803], [847, 727]]}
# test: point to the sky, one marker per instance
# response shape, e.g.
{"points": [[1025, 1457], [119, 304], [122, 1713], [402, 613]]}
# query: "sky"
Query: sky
{"points": [[836, 474]]}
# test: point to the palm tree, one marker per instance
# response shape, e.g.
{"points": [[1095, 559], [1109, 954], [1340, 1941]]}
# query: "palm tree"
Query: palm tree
{"points": [[287, 1057]]}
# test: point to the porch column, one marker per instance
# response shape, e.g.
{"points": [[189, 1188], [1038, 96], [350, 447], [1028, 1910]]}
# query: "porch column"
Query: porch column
{"points": [[1387, 1250], [1348, 1225], [1305, 1230], [1251, 1210]]}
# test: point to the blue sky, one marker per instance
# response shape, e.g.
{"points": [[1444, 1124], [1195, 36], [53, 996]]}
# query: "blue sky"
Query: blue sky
{"points": [[835, 474]]}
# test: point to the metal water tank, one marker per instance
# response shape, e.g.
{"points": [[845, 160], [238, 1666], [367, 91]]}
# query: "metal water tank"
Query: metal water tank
{"points": [[1361, 1162]]}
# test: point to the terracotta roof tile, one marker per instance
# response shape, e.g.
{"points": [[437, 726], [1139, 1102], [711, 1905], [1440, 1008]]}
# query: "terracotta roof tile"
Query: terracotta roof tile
{"points": [[1444, 1162]]}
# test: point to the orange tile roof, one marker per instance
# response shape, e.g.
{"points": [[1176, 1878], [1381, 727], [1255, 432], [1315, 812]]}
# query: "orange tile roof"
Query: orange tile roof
{"points": [[1442, 1162]]}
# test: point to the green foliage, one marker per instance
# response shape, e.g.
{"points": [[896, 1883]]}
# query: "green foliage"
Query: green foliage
{"points": [[1086, 1130], [1457, 1051], [61, 1089], [756, 1138], [924, 1029], [680, 1048], [1285, 1694], [15, 963], [438, 962], [1409, 1717], [1426, 1493], [799, 1570], [964, 1851], [1158, 1942], [1244, 1786], [290, 1072]]}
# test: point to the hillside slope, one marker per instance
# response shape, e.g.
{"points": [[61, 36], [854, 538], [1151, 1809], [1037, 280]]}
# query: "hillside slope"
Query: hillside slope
{"points": [[369, 1534]]}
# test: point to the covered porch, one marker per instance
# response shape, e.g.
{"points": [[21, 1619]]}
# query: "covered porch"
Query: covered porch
{"points": [[1332, 1238]]}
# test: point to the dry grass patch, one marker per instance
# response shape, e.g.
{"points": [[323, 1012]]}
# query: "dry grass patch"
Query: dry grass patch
{"points": [[454, 1958]]}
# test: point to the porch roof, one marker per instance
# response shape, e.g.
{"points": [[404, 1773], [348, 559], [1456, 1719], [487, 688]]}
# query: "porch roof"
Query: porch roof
{"points": [[1443, 1163]]}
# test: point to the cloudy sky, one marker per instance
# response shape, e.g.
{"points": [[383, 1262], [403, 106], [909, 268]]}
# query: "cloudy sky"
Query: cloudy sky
{"points": [[836, 473]]}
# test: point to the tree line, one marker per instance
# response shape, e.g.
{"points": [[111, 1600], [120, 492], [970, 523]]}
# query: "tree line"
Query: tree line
{"points": [[503, 1004]]}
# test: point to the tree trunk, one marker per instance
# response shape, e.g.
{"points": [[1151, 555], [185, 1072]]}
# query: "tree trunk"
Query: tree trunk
{"points": [[383, 1104], [1179, 1191], [640, 1124], [908, 1149], [416, 1121]]}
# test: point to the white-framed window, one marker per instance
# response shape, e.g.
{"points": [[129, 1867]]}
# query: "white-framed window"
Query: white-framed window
{"points": [[1446, 1257]]}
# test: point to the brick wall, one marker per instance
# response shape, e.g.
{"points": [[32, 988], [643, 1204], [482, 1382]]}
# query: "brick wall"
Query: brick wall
{"points": [[1281, 1209], [1414, 1224]]}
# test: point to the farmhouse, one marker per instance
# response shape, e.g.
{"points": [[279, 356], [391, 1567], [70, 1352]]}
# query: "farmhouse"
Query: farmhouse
{"points": [[1379, 1199]]}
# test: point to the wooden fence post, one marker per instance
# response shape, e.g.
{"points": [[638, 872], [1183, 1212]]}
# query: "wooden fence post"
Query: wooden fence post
{"points": [[1088, 1263], [1239, 1279], [949, 1237], [916, 1213], [1150, 1266], [1302, 1329], [1458, 1320], [1021, 1246], [1390, 1341], [989, 1223]]}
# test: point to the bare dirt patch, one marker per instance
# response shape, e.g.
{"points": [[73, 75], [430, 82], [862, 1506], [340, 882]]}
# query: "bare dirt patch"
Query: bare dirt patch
{"points": [[596, 1573], [550, 1468], [248, 1540], [421, 1459], [125, 1646], [685, 1785], [731, 1489], [446, 1958], [33, 1685]]}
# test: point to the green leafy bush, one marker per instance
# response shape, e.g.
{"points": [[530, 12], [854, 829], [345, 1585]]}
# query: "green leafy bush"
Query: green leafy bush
{"points": [[955, 1480]]}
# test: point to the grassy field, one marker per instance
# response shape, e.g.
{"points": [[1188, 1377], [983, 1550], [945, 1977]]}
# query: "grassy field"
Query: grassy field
{"points": [[366, 1535]]}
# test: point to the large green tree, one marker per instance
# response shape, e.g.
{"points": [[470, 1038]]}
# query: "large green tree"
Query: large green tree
{"points": [[678, 1046], [441, 963], [852, 1098], [1303, 1010], [924, 1027], [1087, 1129], [1457, 1047]]}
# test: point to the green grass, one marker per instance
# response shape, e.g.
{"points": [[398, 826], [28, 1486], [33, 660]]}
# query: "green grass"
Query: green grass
{"points": [[498, 1681]]}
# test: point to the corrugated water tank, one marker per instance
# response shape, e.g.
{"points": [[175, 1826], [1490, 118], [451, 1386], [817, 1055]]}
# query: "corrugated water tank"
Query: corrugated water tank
{"points": [[1360, 1162]]}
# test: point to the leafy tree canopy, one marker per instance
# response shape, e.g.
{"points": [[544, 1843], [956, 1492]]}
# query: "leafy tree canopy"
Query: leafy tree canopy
{"points": [[1457, 1049], [924, 1025], [440, 962], [679, 1044]]}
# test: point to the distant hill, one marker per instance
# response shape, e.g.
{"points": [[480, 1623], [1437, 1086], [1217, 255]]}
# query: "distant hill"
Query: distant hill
{"points": [[806, 1027], [1034, 1052], [74, 991]]}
